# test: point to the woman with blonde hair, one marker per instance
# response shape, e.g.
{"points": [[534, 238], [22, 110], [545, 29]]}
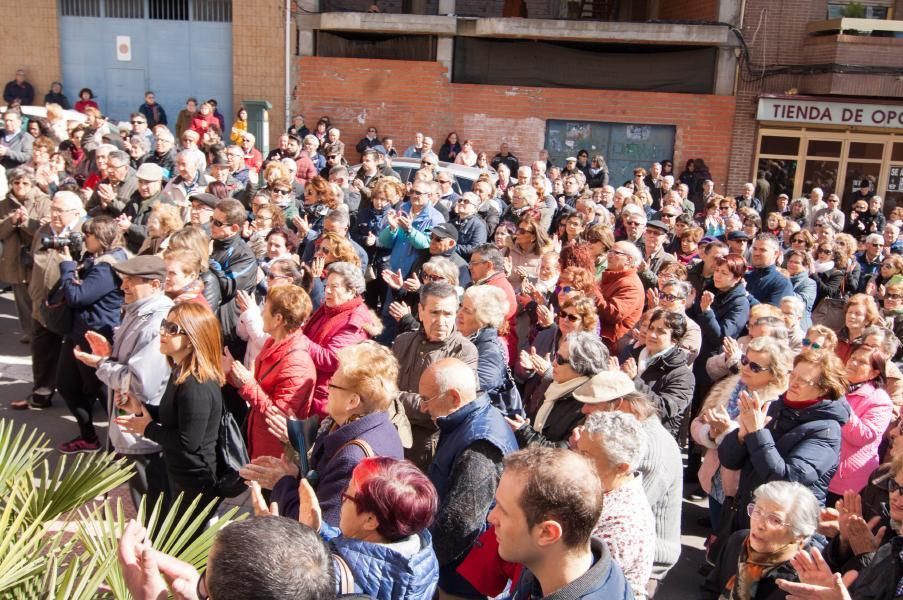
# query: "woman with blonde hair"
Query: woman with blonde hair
{"points": [[765, 370], [183, 276], [187, 421], [164, 220], [861, 311], [195, 240], [525, 251]]}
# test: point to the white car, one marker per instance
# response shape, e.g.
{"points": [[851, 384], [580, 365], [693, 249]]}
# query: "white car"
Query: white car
{"points": [[464, 177]]}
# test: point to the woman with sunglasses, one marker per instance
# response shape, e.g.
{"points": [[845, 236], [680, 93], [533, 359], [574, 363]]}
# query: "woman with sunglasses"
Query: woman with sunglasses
{"points": [[764, 370], [871, 413], [796, 437], [187, 421]]}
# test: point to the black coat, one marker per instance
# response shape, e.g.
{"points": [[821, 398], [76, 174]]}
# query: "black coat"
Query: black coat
{"points": [[727, 568], [669, 383], [564, 418], [727, 317]]}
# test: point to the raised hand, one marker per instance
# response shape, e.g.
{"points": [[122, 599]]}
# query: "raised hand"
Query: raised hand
{"points": [[243, 300], [309, 512], [394, 279], [629, 367], [705, 302], [259, 504], [412, 283], [397, 310], [545, 316]]}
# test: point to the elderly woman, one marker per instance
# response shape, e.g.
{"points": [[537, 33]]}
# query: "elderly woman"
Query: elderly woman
{"points": [[783, 516], [577, 313], [659, 368], [342, 320], [765, 320], [799, 265], [765, 370], [672, 295], [861, 311], [382, 547], [616, 443], [357, 427], [329, 248], [283, 377], [871, 413], [21, 213], [799, 212], [801, 440], [164, 220], [480, 316], [579, 357]]}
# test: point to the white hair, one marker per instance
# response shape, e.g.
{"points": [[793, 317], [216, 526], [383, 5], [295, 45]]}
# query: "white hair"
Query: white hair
{"points": [[798, 306], [71, 201], [619, 435], [491, 305], [874, 238], [311, 139], [526, 171], [818, 192], [797, 500], [632, 252], [624, 192]]}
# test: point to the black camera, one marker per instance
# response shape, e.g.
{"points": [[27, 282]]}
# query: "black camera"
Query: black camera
{"points": [[73, 240], [316, 211]]}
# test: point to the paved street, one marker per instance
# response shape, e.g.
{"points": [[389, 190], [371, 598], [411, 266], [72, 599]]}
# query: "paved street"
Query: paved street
{"points": [[56, 422]]}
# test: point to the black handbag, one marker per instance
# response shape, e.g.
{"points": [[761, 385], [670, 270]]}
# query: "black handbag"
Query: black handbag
{"points": [[507, 397], [716, 541], [57, 315], [231, 455]]}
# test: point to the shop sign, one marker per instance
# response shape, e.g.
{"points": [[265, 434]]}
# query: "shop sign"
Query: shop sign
{"points": [[895, 179], [813, 112]]}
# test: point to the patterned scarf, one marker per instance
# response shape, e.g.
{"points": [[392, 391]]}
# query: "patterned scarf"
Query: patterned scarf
{"points": [[752, 566]]}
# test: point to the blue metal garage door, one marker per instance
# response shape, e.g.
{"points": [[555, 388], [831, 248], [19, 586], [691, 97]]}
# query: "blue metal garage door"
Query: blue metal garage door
{"points": [[179, 48]]}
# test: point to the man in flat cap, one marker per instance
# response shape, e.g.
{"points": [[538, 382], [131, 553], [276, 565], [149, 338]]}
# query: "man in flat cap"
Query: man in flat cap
{"points": [[133, 220], [655, 237], [134, 364]]}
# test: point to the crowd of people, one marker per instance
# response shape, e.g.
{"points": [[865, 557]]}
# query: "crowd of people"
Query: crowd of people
{"points": [[463, 392]]}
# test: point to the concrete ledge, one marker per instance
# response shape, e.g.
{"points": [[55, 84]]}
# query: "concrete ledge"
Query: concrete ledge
{"points": [[598, 31], [380, 23]]}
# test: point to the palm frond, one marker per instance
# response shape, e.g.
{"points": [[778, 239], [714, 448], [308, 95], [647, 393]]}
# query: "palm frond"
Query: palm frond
{"points": [[18, 453]]}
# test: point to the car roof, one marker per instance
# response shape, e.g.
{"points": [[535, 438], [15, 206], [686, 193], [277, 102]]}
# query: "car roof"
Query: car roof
{"points": [[462, 171]]}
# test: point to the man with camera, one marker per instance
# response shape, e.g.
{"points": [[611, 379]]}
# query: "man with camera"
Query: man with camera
{"points": [[64, 229]]}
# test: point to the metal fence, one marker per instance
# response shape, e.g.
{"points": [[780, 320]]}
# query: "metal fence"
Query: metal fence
{"points": [[216, 11]]}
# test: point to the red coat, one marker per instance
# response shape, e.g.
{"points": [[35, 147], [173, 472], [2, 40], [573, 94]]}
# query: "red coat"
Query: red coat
{"points": [[200, 124], [619, 299], [254, 159], [284, 376], [306, 169], [330, 329]]}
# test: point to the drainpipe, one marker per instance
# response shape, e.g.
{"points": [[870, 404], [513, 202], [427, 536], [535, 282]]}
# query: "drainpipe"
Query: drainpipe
{"points": [[288, 58]]}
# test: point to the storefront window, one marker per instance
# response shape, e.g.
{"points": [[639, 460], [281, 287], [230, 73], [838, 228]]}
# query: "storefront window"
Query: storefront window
{"points": [[866, 150], [772, 144], [825, 148], [896, 154], [778, 175], [856, 172], [821, 174]]}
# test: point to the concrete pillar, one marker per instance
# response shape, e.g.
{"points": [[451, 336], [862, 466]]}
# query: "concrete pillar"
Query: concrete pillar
{"points": [[725, 71], [729, 12], [445, 54], [305, 42], [309, 5], [446, 7]]}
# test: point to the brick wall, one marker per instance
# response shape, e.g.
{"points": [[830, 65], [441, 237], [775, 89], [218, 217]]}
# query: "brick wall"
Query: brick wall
{"points": [[31, 41], [401, 98], [693, 10], [258, 57]]}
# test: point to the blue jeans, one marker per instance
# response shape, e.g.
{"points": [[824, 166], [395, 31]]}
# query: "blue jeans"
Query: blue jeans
{"points": [[714, 512]]}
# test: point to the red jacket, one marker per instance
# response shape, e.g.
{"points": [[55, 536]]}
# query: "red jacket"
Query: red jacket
{"points": [[284, 376], [200, 124], [306, 169], [330, 329], [254, 159], [619, 299]]}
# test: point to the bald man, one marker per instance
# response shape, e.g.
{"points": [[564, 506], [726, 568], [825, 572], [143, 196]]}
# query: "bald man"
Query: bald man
{"points": [[473, 441]]}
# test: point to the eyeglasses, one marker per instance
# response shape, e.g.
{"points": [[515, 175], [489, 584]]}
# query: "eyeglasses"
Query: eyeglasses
{"points": [[474, 263], [799, 379], [282, 192], [348, 497], [429, 277], [463, 201], [138, 122], [670, 297], [520, 230], [169, 328], [771, 519], [634, 223], [419, 194], [337, 387], [874, 245], [810, 344], [893, 487], [893, 296], [753, 366], [275, 276], [564, 289], [617, 252], [570, 317], [217, 223], [561, 360]]}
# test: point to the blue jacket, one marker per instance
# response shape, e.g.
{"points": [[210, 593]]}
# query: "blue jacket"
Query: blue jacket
{"points": [[797, 445], [726, 317], [381, 571], [805, 287], [492, 368], [405, 244], [477, 421], [472, 232], [603, 580], [94, 295], [334, 461], [768, 286]]}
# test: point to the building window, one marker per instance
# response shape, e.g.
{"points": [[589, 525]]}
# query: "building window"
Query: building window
{"points": [[80, 8], [124, 9], [217, 11], [168, 10]]}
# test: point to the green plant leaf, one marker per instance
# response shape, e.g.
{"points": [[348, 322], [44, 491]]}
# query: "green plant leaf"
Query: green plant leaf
{"points": [[18, 453]]}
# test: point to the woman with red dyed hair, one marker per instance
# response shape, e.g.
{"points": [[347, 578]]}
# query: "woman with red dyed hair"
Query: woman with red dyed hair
{"points": [[382, 546]]}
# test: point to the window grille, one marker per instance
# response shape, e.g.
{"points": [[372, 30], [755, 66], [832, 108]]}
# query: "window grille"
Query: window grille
{"points": [[80, 8]]}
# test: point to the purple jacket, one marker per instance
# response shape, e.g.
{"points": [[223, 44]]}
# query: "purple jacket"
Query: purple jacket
{"points": [[334, 461]]}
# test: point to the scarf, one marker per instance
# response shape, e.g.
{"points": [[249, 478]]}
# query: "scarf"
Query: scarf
{"points": [[188, 293], [823, 266], [328, 320], [554, 392], [752, 566]]}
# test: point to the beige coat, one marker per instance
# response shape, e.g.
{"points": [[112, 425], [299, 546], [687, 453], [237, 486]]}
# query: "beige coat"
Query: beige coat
{"points": [[16, 237], [46, 270]]}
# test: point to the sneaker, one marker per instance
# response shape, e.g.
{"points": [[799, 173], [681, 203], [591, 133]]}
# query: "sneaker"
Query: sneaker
{"points": [[78, 445], [33, 401]]}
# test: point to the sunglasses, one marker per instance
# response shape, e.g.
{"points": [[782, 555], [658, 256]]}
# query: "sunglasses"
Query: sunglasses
{"points": [[217, 223], [564, 289], [570, 317], [169, 328], [753, 366], [428, 277], [137, 122], [562, 360], [893, 296], [670, 297], [810, 344]]}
